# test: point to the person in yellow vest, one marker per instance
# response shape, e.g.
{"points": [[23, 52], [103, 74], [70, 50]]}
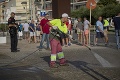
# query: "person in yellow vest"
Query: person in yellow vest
{"points": [[59, 30], [106, 25]]}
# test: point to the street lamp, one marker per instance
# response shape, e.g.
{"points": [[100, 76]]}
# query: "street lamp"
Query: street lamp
{"points": [[25, 5]]}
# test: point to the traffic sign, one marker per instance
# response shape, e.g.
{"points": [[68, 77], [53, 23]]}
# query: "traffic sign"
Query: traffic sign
{"points": [[91, 4], [42, 13]]}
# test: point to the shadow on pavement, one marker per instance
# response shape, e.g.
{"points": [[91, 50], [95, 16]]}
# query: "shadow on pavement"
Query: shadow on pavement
{"points": [[89, 71], [25, 73], [46, 58]]}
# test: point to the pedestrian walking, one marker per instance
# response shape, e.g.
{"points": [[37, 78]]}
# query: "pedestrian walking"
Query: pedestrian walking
{"points": [[32, 32], [13, 32], [38, 35], [65, 40], [105, 28], [99, 31], [26, 30], [45, 29], [20, 30], [116, 21], [58, 29], [86, 31], [80, 30]]}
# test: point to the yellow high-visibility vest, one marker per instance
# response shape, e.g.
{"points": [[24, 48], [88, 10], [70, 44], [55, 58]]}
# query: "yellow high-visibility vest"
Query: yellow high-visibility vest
{"points": [[57, 22], [106, 23]]}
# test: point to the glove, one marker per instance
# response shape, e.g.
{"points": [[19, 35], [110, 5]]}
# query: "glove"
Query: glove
{"points": [[55, 27]]}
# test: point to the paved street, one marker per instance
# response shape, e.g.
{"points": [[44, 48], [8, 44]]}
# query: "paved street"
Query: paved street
{"points": [[85, 63]]}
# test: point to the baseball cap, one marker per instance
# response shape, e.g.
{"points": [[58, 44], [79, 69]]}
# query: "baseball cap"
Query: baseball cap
{"points": [[64, 15]]}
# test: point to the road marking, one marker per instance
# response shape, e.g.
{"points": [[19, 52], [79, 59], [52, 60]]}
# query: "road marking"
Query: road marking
{"points": [[103, 62]]}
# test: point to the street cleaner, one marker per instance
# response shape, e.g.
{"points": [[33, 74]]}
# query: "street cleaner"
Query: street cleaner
{"points": [[58, 31]]}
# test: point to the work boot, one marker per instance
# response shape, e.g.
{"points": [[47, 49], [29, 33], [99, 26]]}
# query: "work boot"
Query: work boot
{"points": [[63, 62], [53, 65]]}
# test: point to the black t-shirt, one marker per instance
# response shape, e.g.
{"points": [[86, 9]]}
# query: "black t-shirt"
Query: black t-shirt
{"points": [[116, 21], [11, 20]]}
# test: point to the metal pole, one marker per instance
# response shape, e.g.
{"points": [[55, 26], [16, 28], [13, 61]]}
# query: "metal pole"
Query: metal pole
{"points": [[26, 12], [31, 9], [73, 5], [90, 22]]}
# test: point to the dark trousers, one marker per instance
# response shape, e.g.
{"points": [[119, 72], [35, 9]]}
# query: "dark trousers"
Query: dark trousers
{"points": [[14, 40]]}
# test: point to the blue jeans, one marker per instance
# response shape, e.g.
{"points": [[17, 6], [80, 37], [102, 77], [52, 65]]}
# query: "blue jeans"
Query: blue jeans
{"points": [[117, 38], [43, 39]]}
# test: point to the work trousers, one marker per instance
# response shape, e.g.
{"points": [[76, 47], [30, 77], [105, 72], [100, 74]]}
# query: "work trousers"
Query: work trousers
{"points": [[14, 39], [56, 49]]}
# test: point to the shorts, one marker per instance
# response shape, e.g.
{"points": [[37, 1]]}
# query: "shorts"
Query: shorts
{"points": [[32, 34], [26, 32], [86, 32], [105, 32], [20, 33], [63, 35], [99, 35], [37, 33]]}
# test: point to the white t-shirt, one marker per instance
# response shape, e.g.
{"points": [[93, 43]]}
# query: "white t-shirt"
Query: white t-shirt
{"points": [[26, 26], [75, 23], [86, 24], [69, 21]]}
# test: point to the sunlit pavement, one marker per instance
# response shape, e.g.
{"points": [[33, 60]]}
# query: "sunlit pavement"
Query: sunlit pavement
{"points": [[85, 63]]}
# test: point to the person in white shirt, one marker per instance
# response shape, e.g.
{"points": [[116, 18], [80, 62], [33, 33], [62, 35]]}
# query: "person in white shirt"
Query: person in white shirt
{"points": [[86, 31], [26, 30]]}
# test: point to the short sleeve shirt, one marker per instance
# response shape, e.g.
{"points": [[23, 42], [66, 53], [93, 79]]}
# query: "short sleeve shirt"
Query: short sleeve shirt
{"points": [[86, 24], [45, 26], [11, 20], [26, 26], [80, 25], [99, 24], [33, 26]]}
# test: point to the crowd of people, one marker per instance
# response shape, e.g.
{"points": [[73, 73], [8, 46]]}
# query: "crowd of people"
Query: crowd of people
{"points": [[59, 33], [39, 32]]}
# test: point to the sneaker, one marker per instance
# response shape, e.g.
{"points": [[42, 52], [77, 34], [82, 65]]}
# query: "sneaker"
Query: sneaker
{"points": [[95, 44], [40, 49], [106, 44], [69, 44], [48, 49]]}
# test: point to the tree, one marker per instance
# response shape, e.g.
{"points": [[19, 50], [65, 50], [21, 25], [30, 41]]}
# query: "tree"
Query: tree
{"points": [[110, 10], [106, 2]]}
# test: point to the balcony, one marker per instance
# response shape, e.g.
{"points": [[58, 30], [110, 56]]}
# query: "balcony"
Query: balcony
{"points": [[21, 11], [79, 2]]}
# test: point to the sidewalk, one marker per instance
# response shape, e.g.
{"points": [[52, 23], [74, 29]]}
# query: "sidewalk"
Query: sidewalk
{"points": [[83, 64]]}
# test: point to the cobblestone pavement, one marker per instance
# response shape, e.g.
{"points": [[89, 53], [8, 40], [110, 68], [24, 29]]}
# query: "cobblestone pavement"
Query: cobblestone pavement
{"points": [[85, 63]]}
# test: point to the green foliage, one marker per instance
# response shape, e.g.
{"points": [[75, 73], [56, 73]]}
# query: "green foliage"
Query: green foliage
{"points": [[3, 27], [110, 10], [107, 2]]}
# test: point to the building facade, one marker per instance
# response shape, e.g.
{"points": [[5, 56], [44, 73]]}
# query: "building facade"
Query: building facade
{"points": [[2, 11], [21, 10], [46, 5], [32, 9]]}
